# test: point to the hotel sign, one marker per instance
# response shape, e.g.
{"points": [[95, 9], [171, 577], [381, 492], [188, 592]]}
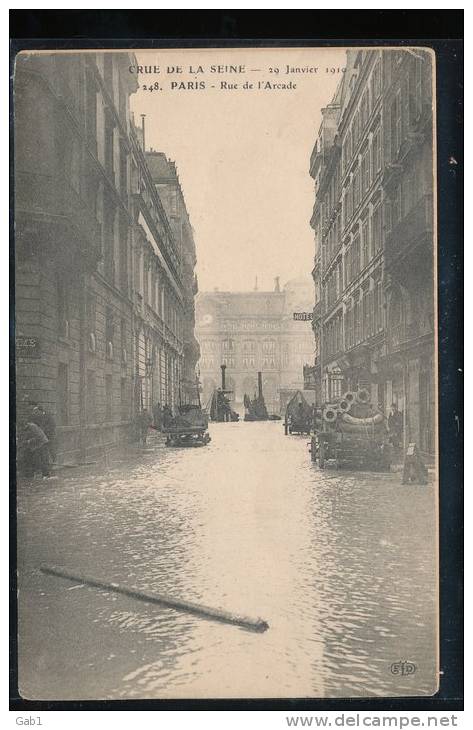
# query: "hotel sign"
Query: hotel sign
{"points": [[303, 316]]}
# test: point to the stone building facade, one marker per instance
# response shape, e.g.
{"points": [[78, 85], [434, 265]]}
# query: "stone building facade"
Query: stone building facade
{"points": [[253, 331], [83, 215], [373, 168], [166, 180]]}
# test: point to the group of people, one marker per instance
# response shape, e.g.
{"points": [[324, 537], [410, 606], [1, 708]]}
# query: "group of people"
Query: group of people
{"points": [[157, 420], [36, 441]]}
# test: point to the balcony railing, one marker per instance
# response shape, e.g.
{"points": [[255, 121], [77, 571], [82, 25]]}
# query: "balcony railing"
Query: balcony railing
{"points": [[404, 236]]}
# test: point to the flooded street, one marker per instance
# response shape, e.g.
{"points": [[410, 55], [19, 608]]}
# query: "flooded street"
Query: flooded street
{"points": [[340, 564]]}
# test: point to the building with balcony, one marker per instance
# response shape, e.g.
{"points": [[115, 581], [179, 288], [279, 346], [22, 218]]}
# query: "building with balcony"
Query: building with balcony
{"points": [[72, 244], [409, 362], [100, 280], [372, 164], [253, 331], [166, 180], [157, 289]]}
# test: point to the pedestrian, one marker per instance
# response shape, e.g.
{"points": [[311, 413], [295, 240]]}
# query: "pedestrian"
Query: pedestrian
{"points": [[167, 416], [145, 421], [157, 415], [395, 423], [34, 443], [46, 422]]}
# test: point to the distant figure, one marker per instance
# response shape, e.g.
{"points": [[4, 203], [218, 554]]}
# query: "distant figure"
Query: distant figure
{"points": [[167, 415], [395, 422], [34, 443], [144, 422], [46, 422], [157, 415]]}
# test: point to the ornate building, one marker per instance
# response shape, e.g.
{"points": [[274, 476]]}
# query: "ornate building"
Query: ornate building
{"points": [[373, 169], [252, 331]]}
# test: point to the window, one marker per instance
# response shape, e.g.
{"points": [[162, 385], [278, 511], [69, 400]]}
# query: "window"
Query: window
{"points": [[365, 234], [418, 85], [356, 129], [356, 323], [396, 125], [371, 313], [109, 240], [356, 255], [376, 229], [122, 102], [63, 309], [108, 398], [409, 190], [366, 170], [376, 154], [396, 205], [376, 82], [109, 332], [123, 169], [91, 397], [365, 107], [91, 320], [108, 71], [73, 164], [356, 189], [173, 202], [124, 399], [146, 268], [378, 306], [62, 394], [108, 144], [348, 327], [123, 340]]}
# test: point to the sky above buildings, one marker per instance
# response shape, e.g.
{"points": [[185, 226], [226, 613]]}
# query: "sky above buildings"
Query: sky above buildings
{"points": [[242, 154]]}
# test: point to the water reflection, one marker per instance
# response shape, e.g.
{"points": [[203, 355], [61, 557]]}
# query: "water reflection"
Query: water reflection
{"points": [[341, 565]]}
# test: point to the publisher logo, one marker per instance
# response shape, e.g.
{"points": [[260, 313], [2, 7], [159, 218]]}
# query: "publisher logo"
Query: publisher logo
{"points": [[403, 668]]}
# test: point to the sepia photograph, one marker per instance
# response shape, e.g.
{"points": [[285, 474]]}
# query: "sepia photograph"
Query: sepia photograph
{"points": [[226, 373]]}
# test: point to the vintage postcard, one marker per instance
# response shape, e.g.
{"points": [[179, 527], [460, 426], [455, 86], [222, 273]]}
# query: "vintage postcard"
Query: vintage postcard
{"points": [[226, 373]]}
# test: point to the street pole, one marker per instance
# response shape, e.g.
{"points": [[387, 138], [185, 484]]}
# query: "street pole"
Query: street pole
{"points": [[82, 375], [321, 335]]}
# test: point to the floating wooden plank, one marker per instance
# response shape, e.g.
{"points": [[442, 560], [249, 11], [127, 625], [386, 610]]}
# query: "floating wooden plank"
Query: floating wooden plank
{"points": [[258, 624]]}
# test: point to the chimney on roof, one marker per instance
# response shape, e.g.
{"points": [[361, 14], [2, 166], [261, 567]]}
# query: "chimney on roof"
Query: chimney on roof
{"points": [[277, 288], [256, 284]]}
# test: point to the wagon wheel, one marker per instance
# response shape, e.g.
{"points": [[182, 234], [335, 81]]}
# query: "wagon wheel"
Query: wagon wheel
{"points": [[321, 455]]}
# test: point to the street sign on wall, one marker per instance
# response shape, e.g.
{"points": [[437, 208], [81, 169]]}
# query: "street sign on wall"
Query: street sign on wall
{"points": [[28, 347]]}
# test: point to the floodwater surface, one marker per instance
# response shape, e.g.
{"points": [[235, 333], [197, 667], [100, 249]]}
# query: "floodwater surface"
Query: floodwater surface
{"points": [[342, 566]]}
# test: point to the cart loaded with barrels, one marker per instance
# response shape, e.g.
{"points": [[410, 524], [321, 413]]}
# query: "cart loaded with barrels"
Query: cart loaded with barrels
{"points": [[351, 433]]}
